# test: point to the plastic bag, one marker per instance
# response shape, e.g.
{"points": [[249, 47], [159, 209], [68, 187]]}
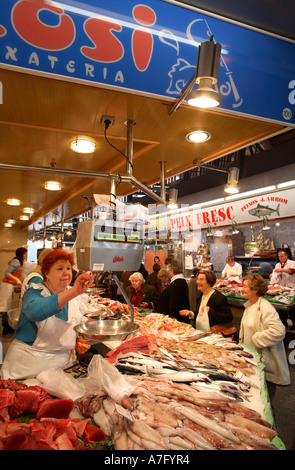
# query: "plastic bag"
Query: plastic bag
{"points": [[60, 384], [104, 376]]}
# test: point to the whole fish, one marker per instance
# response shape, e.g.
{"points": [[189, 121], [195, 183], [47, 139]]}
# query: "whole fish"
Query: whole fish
{"points": [[207, 423]]}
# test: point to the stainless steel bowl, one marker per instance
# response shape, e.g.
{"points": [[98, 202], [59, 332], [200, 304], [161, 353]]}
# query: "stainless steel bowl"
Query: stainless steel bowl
{"points": [[106, 330]]}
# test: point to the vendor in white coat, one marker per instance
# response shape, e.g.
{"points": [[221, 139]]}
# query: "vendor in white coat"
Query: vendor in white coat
{"points": [[44, 336], [232, 270], [262, 329], [284, 272]]}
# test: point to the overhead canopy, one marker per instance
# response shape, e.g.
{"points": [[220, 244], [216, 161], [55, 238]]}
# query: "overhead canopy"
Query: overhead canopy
{"points": [[40, 117]]}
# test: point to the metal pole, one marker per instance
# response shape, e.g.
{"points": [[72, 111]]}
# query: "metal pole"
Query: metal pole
{"points": [[163, 193], [129, 150], [113, 197]]}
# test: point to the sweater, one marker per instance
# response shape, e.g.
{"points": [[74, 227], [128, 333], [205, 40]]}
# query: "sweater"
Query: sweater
{"points": [[35, 308]]}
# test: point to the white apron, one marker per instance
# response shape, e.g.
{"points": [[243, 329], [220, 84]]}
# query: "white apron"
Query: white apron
{"points": [[53, 348], [6, 296], [202, 321]]}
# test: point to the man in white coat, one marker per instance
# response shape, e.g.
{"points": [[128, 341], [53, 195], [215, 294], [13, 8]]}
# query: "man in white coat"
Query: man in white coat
{"points": [[284, 272], [284, 275]]}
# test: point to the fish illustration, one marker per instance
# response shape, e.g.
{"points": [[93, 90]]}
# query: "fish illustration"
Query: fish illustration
{"points": [[263, 211]]}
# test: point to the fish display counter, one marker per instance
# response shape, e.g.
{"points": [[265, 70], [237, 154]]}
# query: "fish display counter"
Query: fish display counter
{"points": [[192, 391], [282, 298], [166, 387]]}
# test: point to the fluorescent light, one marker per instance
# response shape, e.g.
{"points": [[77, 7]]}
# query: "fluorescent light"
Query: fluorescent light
{"points": [[52, 186], [209, 203], [286, 184], [24, 217], [7, 225], [251, 193]]}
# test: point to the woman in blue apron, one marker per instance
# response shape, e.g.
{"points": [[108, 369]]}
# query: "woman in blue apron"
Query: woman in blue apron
{"points": [[44, 336]]}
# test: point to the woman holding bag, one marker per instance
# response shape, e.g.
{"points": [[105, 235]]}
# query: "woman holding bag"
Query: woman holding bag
{"points": [[44, 336], [262, 329], [212, 308]]}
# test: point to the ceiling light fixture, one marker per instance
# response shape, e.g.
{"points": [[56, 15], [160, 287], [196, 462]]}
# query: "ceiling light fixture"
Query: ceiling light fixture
{"points": [[11, 221], [52, 186], [13, 202], [234, 227], [231, 186], [173, 199], [83, 145], [205, 76], [28, 210], [24, 217], [7, 225], [209, 231], [198, 136], [265, 224]]}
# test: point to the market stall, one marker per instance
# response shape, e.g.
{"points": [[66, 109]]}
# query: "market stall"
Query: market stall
{"points": [[281, 297], [165, 387]]}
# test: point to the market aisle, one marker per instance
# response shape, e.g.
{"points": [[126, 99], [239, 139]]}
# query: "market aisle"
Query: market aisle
{"points": [[284, 401]]}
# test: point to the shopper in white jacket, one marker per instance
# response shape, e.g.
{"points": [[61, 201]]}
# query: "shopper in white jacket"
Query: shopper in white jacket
{"points": [[262, 329]]}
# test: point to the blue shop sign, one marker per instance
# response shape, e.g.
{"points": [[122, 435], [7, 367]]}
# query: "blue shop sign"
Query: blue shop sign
{"points": [[149, 48]]}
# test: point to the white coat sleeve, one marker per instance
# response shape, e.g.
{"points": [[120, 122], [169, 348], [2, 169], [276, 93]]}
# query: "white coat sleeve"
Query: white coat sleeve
{"points": [[272, 330]]}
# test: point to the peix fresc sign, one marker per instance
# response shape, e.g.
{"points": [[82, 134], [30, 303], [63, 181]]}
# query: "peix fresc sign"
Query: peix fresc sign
{"points": [[148, 48]]}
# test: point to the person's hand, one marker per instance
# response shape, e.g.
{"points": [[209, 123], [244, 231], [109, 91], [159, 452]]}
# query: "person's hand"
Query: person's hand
{"points": [[143, 304], [83, 282], [81, 346], [185, 313]]}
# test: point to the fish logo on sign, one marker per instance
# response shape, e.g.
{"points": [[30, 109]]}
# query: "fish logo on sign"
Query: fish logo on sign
{"points": [[263, 211]]}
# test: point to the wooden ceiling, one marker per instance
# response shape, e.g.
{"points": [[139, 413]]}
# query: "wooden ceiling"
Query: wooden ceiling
{"points": [[40, 117]]}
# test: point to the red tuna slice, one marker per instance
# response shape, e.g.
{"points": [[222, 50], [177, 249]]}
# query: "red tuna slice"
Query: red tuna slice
{"points": [[4, 414], [64, 443], [9, 383], [80, 425], [27, 399], [137, 343], [6, 397], [93, 434], [16, 441], [6, 429], [55, 408]]}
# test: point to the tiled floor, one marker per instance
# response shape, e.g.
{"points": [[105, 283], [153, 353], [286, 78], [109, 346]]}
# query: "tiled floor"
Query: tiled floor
{"points": [[284, 400]]}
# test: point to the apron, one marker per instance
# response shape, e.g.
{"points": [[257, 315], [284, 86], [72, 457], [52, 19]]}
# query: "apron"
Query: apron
{"points": [[53, 348], [202, 320], [7, 290]]}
